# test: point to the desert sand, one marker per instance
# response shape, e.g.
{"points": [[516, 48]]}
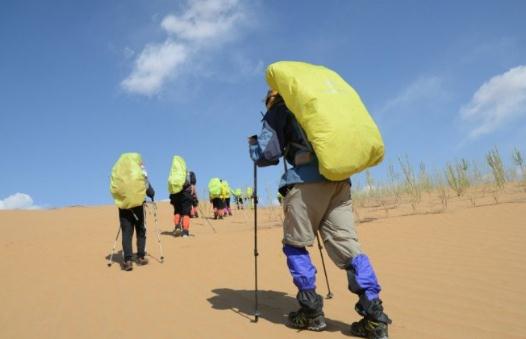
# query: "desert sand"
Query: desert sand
{"points": [[459, 273]]}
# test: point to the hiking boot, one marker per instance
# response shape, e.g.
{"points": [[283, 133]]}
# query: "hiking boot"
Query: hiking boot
{"points": [[303, 321], [177, 230], [185, 233], [369, 329], [127, 265], [142, 261]]}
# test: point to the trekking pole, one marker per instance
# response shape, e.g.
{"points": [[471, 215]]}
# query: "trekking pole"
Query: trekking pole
{"points": [[329, 294], [206, 219], [157, 230], [110, 261], [255, 197]]}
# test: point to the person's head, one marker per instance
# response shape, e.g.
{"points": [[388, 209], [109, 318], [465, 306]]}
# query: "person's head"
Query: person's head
{"points": [[272, 98]]}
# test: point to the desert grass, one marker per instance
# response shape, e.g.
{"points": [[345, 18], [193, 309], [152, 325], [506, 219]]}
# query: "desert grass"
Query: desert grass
{"points": [[459, 184]]}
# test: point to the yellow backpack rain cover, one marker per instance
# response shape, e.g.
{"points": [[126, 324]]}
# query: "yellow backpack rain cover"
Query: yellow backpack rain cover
{"points": [[343, 135], [214, 188], [128, 184], [177, 176], [225, 190]]}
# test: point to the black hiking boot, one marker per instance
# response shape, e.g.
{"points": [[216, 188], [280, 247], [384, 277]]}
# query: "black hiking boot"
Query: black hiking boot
{"points": [[142, 261], [127, 265], [177, 230], [369, 329], [374, 323], [303, 321], [185, 233]]}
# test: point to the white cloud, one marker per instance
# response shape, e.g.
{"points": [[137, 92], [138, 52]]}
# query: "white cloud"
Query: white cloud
{"points": [[17, 201], [203, 26], [499, 100], [421, 91], [154, 66]]}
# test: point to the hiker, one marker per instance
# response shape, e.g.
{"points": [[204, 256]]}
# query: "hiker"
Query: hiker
{"points": [[129, 177], [225, 195], [313, 203], [214, 192], [238, 197], [280, 198], [249, 197], [181, 184]]}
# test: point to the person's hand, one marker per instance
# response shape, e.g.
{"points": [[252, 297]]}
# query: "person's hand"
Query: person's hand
{"points": [[252, 140]]}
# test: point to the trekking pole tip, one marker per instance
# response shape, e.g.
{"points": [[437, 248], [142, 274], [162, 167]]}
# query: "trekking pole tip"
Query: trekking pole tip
{"points": [[329, 295]]}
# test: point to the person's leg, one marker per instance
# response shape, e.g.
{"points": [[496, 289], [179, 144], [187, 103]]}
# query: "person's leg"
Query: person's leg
{"points": [[126, 221], [228, 206], [342, 245], [141, 231], [220, 208], [186, 209], [301, 219]]}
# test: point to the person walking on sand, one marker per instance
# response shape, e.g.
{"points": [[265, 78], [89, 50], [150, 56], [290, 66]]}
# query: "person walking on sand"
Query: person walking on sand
{"points": [[225, 195], [314, 204], [238, 197], [129, 177], [181, 185], [214, 192]]}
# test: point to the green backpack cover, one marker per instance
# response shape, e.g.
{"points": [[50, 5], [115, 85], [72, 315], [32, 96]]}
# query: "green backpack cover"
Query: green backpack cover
{"points": [[225, 189], [214, 188], [343, 135], [127, 183], [177, 176], [249, 193]]}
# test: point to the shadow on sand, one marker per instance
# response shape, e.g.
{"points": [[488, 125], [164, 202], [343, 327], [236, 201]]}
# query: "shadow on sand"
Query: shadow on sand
{"points": [[118, 258], [273, 306]]}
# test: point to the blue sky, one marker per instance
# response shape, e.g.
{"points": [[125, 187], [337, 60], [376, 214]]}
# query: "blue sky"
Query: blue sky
{"points": [[82, 82]]}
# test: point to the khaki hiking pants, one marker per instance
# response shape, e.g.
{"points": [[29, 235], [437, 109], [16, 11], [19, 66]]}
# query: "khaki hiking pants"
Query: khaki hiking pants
{"points": [[325, 207]]}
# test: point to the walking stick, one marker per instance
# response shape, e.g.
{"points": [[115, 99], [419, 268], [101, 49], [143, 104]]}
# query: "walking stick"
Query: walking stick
{"points": [[255, 197], [110, 261], [206, 219], [329, 294], [157, 230]]}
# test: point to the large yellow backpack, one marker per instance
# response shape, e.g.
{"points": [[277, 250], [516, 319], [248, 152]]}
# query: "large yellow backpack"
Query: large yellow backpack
{"points": [[225, 189], [128, 184], [214, 188], [178, 175], [343, 135]]}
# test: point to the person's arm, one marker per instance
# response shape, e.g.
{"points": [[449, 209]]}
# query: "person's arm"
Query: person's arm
{"points": [[150, 192], [267, 147], [193, 181]]}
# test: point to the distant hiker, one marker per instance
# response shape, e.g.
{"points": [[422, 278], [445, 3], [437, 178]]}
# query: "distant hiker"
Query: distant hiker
{"points": [[312, 202], [279, 196], [248, 197], [214, 192], [238, 197], [181, 185], [129, 187], [225, 195]]}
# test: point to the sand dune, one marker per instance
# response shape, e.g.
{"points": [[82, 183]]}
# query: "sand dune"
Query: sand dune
{"points": [[458, 274]]}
